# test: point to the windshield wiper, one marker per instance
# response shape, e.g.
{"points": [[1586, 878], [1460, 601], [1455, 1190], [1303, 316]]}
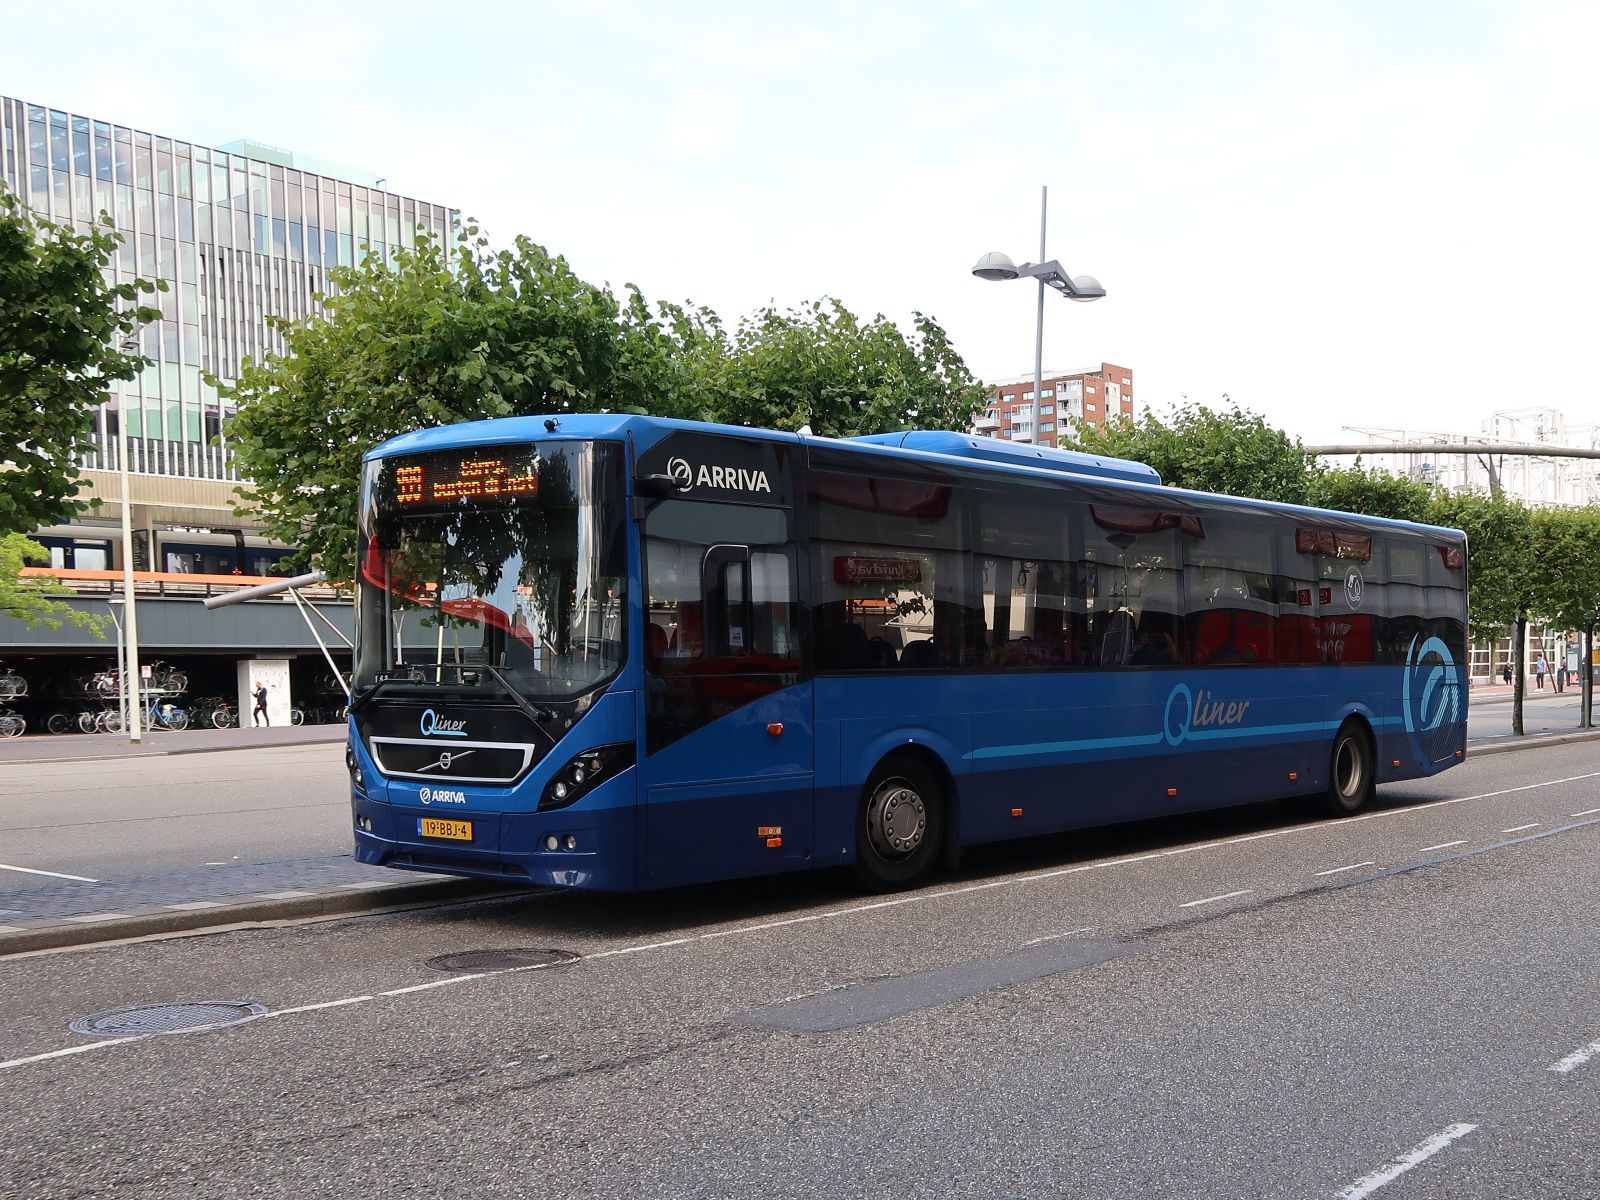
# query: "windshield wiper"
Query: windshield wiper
{"points": [[533, 710]]}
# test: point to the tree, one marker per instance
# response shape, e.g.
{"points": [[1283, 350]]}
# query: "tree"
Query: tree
{"points": [[467, 334], [1566, 549], [441, 336], [1502, 588], [1371, 492], [61, 329], [31, 599], [1234, 453], [820, 366]]}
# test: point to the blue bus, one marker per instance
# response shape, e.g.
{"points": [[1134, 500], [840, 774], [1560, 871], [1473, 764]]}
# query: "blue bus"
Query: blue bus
{"points": [[621, 652]]}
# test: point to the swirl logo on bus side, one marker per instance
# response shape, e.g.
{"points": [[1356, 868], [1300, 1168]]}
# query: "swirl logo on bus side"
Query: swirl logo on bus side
{"points": [[1430, 687]]}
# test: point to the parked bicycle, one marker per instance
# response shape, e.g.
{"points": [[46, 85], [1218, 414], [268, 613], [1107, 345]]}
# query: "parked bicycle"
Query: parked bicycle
{"points": [[12, 724], [164, 714], [12, 685], [213, 712]]}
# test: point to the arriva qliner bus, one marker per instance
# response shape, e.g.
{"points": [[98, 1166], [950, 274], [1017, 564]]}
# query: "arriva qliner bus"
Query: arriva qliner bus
{"points": [[620, 652]]}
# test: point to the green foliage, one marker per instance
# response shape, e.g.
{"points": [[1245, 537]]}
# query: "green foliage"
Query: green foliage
{"points": [[1501, 571], [61, 326], [1371, 492], [820, 365], [1234, 453], [468, 334], [29, 599], [439, 337], [1564, 558]]}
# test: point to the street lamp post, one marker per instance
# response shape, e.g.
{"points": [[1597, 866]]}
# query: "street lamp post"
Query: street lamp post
{"points": [[1082, 288], [113, 603], [130, 666]]}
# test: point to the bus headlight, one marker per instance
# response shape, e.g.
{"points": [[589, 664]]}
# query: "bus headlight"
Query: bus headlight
{"points": [[583, 773]]}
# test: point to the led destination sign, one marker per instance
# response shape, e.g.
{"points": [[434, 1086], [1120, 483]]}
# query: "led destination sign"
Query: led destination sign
{"points": [[474, 476]]}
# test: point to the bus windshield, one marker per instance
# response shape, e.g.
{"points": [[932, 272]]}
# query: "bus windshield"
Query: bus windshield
{"points": [[506, 557]]}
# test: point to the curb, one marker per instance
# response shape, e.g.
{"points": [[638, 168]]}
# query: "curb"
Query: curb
{"points": [[378, 897], [160, 753], [1533, 742]]}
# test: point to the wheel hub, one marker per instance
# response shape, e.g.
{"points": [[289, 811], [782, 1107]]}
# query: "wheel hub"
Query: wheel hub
{"points": [[897, 818]]}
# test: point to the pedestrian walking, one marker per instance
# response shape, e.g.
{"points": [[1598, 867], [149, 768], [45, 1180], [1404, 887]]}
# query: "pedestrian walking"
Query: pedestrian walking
{"points": [[1539, 668], [259, 716], [1505, 672]]}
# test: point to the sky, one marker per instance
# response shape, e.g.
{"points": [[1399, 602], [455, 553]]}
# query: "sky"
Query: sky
{"points": [[1337, 215]]}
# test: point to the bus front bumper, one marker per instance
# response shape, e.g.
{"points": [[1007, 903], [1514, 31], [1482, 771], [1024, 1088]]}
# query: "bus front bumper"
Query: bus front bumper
{"points": [[565, 848]]}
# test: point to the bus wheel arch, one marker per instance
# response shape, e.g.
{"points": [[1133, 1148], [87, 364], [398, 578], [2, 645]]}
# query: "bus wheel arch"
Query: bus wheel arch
{"points": [[904, 822], [1352, 769]]}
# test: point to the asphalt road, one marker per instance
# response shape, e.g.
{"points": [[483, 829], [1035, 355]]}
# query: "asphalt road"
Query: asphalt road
{"points": [[136, 817], [1250, 1004]]}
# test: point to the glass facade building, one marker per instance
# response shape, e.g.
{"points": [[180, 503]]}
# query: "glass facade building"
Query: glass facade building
{"points": [[240, 233]]}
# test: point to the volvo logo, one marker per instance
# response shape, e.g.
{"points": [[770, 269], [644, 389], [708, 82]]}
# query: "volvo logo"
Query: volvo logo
{"points": [[433, 725]]}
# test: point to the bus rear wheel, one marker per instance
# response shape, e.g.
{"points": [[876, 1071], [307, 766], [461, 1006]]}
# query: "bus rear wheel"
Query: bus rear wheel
{"points": [[1351, 777], [900, 825]]}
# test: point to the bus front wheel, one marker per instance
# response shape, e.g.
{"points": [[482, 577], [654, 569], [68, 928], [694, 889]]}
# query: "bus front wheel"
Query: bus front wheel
{"points": [[900, 825], [1351, 777]]}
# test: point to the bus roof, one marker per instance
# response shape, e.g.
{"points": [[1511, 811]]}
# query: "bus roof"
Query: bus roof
{"points": [[1003, 458]]}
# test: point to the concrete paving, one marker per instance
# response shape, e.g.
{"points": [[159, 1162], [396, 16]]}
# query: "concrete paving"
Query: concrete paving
{"points": [[74, 747]]}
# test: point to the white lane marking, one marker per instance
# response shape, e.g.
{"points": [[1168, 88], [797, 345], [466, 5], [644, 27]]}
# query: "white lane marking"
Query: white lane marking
{"points": [[1351, 867], [283, 1012], [1587, 812], [1397, 1167], [925, 897], [631, 949], [424, 987], [52, 874], [1051, 937], [1224, 896], [1576, 1059], [70, 1050], [1520, 828], [1445, 845]]}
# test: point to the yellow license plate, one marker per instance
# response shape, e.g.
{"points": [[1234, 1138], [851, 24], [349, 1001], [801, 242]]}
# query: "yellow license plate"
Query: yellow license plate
{"points": [[439, 827]]}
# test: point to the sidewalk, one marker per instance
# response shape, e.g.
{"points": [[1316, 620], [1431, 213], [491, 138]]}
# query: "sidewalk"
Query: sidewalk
{"points": [[1485, 693], [75, 913], [66, 747]]}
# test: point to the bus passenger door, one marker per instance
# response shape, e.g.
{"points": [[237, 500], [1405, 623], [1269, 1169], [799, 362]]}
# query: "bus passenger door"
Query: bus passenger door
{"points": [[728, 725]]}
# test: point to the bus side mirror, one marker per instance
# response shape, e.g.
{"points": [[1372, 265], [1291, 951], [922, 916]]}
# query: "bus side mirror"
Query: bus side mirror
{"points": [[654, 487]]}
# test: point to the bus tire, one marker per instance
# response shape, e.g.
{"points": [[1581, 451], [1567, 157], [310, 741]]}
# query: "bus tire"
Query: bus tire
{"points": [[900, 824], [1352, 776]]}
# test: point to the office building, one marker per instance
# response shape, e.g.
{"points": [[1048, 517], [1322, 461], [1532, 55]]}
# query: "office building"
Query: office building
{"points": [[241, 233]]}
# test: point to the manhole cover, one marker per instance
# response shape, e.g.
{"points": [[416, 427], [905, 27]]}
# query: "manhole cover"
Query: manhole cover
{"points": [[499, 960], [188, 1016]]}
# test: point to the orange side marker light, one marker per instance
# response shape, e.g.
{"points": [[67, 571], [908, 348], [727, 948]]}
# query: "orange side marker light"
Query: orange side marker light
{"points": [[775, 729], [1294, 774], [774, 843], [1172, 791], [1016, 812]]}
